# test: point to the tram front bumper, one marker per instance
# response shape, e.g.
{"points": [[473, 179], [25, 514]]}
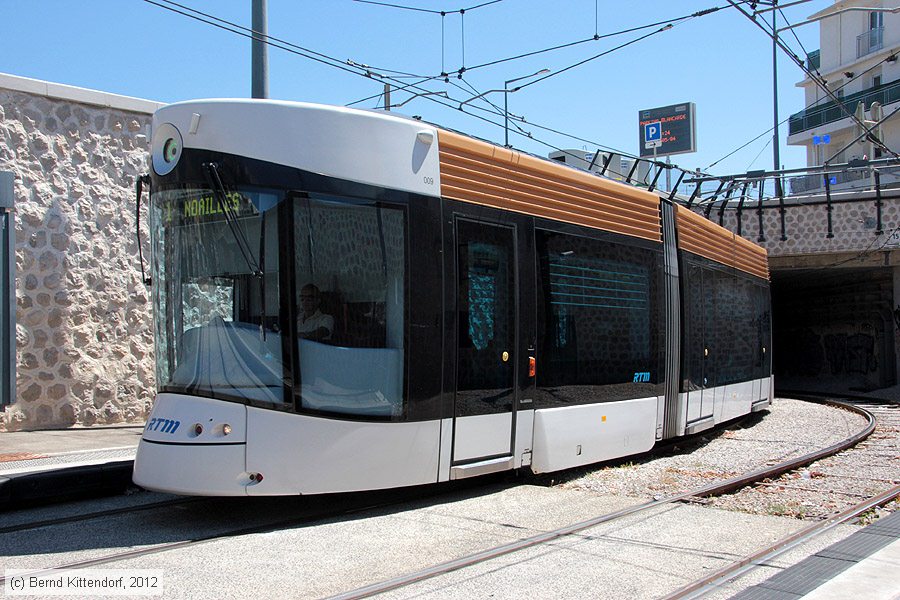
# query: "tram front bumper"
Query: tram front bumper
{"points": [[194, 446]]}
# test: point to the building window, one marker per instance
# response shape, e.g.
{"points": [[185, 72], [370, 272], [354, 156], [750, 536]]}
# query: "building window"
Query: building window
{"points": [[873, 39], [876, 20]]}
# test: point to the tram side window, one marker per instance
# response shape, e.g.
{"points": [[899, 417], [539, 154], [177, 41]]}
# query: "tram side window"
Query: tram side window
{"points": [[722, 327], [693, 326], [746, 334], [735, 333], [599, 320], [764, 325], [351, 255]]}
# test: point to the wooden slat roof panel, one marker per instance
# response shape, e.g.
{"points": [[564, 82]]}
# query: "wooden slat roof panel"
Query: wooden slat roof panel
{"points": [[475, 171], [703, 237]]}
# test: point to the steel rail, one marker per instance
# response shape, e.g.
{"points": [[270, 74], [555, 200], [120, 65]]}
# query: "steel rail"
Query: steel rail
{"points": [[707, 584], [315, 515], [721, 487], [801, 461]]}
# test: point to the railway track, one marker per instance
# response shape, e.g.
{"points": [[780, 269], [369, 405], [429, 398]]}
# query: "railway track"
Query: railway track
{"points": [[882, 443], [328, 510], [714, 489], [301, 511], [740, 567]]}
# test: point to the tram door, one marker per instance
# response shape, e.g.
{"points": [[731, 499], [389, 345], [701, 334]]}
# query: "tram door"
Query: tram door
{"points": [[486, 315], [702, 347]]}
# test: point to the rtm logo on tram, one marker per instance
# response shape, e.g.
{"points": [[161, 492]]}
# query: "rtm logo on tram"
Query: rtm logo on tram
{"points": [[163, 425]]}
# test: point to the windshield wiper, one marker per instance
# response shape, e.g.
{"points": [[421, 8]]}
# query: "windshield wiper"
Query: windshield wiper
{"points": [[218, 189], [256, 268]]}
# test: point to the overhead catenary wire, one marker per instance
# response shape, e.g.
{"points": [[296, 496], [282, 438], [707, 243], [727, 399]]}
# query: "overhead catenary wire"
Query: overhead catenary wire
{"points": [[250, 34], [429, 10], [796, 37], [365, 71], [596, 56], [756, 158], [354, 68], [350, 67], [594, 38], [400, 6], [669, 23], [816, 79], [369, 72], [807, 107]]}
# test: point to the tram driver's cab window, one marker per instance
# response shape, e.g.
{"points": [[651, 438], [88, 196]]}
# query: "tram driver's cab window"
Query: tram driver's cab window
{"points": [[216, 272], [350, 264]]}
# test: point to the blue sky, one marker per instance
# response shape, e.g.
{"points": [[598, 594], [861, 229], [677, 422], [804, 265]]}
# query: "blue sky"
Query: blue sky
{"points": [[720, 61]]}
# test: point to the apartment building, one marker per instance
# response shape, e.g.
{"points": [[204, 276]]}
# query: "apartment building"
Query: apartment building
{"points": [[858, 60]]}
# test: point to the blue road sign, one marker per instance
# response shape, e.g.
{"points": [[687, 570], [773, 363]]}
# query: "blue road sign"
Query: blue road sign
{"points": [[653, 132]]}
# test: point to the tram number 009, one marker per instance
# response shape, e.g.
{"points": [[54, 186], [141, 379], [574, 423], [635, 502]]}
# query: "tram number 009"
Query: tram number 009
{"points": [[428, 180]]}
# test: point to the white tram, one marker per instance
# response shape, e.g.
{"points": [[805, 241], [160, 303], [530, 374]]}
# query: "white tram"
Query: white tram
{"points": [[353, 300]]}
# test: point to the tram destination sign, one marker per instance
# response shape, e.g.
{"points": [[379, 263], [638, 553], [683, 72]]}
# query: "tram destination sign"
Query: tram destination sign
{"points": [[668, 130]]}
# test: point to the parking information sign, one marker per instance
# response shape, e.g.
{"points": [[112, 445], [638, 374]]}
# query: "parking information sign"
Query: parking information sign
{"points": [[653, 135], [668, 130]]}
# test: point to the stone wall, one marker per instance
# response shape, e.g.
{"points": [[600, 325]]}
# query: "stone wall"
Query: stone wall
{"points": [[84, 335], [854, 227]]}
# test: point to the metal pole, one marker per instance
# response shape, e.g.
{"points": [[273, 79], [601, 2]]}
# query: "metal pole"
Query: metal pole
{"points": [[775, 150], [655, 179], [673, 190], [505, 116], [655, 162], [669, 173], [506, 92], [260, 53], [695, 194], [387, 97], [879, 226], [7, 290], [759, 212]]}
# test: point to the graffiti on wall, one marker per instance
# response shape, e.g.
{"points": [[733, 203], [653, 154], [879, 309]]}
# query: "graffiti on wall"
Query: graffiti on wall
{"points": [[851, 353], [811, 352]]}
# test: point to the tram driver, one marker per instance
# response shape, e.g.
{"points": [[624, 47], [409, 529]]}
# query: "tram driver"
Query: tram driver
{"points": [[313, 324]]}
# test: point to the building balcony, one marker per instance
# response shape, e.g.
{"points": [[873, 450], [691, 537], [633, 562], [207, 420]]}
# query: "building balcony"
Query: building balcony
{"points": [[813, 60], [830, 112], [869, 42], [809, 183]]}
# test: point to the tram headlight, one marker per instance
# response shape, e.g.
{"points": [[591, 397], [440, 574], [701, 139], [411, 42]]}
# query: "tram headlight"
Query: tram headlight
{"points": [[226, 429]]}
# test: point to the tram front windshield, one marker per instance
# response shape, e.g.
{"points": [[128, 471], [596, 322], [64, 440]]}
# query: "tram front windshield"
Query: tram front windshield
{"points": [[226, 328]]}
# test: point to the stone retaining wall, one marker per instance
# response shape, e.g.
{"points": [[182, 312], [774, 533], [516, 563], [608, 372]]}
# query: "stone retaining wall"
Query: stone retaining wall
{"points": [[854, 227], [83, 336]]}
